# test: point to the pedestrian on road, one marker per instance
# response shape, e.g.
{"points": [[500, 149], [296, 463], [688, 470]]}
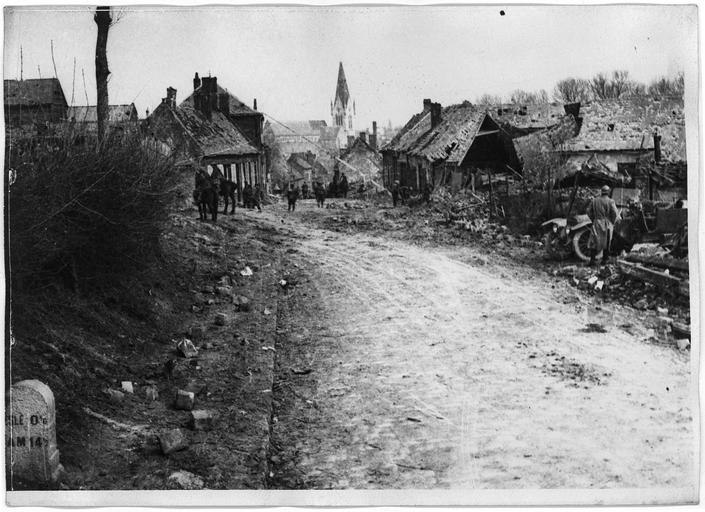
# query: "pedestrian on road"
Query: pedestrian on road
{"points": [[603, 213], [292, 195], [304, 191], [344, 185], [395, 193], [247, 194], [320, 191], [427, 193], [258, 197]]}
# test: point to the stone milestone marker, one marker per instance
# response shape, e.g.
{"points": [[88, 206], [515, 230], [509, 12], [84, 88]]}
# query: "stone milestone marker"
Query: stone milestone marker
{"points": [[30, 434]]}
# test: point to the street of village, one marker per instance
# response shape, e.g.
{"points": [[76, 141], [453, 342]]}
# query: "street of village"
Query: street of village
{"points": [[403, 367]]}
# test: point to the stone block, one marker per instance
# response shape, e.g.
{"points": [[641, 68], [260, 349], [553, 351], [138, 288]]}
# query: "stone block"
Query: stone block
{"points": [[202, 420], [185, 480], [151, 393], [221, 319], [173, 441], [127, 386], [241, 302], [30, 433], [224, 290], [184, 400], [186, 348]]}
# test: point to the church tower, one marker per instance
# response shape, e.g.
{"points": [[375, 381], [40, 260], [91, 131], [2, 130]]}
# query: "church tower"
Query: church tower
{"points": [[342, 109]]}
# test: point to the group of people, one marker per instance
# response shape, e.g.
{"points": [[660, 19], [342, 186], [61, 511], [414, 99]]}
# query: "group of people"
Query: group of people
{"points": [[402, 194], [208, 188]]}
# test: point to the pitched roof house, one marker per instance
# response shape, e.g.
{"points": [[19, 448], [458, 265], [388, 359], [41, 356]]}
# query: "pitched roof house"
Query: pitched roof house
{"points": [[201, 133], [364, 162], [119, 116], [446, 146], [33, 101]]}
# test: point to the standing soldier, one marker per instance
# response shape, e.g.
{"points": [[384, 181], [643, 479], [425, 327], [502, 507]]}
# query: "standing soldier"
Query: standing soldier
{"points": [[395, 193], [257, 197], [304, 190], [603, 213], [292, 195], [344, 185]]}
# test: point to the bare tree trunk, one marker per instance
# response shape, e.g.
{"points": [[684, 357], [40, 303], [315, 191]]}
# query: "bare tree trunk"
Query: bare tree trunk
{"points": [[103, 19]]}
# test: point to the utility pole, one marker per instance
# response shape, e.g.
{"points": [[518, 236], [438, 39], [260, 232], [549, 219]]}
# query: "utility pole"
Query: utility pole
{"points": [[103, 19]]}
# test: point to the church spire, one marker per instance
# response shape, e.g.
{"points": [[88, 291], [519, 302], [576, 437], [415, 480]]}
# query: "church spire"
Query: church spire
{"points": [[341, 91]]}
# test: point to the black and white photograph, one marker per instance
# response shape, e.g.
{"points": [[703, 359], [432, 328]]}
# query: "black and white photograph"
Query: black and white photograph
{"points": [[393, 254]]}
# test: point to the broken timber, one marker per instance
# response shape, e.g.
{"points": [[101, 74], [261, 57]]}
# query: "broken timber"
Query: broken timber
{"points": [[670, 263], [661, 279]]}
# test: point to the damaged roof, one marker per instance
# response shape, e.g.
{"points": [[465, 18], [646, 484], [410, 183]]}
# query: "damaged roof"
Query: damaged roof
{"points": [[216, 136], [547, 140], [416, 126], [33, 92], [306, 128], [116, 113], [236, 106], [535, 116], [628, 124], [452, 137]]}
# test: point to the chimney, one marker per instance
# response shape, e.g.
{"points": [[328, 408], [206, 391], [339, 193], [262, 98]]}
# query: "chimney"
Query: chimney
{"points": [[254, 104], [657, 147], [196, 82], [373, 137], [171, 97], [224, 103], [426, 104], [435, 114]]}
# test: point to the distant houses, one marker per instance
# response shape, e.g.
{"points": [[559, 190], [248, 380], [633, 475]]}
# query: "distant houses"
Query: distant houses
{"points": [[123, 117]]}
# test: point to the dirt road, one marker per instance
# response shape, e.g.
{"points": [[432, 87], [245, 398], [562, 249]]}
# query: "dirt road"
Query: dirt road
{"points": [[406, 367]]}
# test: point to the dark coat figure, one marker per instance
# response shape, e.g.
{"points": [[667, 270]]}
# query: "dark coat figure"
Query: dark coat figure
{"points": [[320, 191], [205, 195], [257, 197], [396, 193], [227, 190], [292, 195], [247, 196], [427, 193], [304, 191], [344, 187], [603, 213], [332, 189], [404, 194]]}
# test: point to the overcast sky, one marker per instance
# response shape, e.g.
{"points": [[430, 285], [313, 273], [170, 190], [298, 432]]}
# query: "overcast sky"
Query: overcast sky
{"points": [[287, 57]]}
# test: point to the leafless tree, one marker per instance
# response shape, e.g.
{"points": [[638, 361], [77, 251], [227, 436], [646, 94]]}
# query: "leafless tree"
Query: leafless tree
{"points": [[600, 86], [488, 99], [667, 87], [522, 97], [620, 84], [571, 90], [103, 19]]}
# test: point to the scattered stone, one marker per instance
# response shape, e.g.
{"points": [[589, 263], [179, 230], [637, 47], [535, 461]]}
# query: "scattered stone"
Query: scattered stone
{"points": [[202, 420], [196, 331], [267, 311], [224, 290], [221, 319], [186, 348], [151, 393], [208, 289], [173, 441], [246, 272], [225, 281], [641, 304], [185, 480], [241, 302], [662, 311], [115, 395], [683, 343], [127, 387], [184, 400], [30, 434], [208, 346]]}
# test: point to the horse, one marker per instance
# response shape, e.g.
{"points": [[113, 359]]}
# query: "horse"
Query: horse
{"points": [[227, 190], [205, 196]]}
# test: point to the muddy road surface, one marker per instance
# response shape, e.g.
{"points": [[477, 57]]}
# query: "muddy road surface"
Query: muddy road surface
{"points": [[400, 366]]}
